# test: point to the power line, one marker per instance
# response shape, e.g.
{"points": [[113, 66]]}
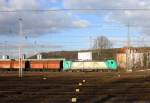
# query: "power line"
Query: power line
{"points": [[76, 9]]}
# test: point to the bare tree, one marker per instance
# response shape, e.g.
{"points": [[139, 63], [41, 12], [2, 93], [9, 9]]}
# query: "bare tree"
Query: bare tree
{"points": [[102, 42]]}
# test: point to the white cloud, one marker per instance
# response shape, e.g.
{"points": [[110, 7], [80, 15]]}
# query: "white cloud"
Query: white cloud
{"points": [[34, 23], [81, 23], [140, 18], [21, 4]]}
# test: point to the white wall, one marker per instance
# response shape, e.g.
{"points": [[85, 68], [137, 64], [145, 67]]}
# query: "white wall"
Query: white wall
{"points": [[82, 56]]}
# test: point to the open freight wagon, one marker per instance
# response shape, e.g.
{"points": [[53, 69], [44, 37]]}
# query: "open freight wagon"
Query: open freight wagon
{"points": [[32, 64], [45, 64], [11, 64]]}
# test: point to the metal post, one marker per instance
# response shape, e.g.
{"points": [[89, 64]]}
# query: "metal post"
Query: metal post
{"points": [[19, 62], [128, 36], [90, 46], [89, 42], [6, 48], [128, 48], [20, 48]]}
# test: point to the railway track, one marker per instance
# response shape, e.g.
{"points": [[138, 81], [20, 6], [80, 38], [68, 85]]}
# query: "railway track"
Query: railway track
{"points": [[60, 88]]}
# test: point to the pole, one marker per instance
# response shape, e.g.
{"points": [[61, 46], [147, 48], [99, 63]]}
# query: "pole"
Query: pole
{"points": [[6, 48], [20, 48], [19, 62], [128, 48], [128, 36], [90, 46]]}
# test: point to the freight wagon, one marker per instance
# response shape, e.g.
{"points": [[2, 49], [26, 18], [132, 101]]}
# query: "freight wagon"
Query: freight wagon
{"points": [[32, 64], [15, 64], [89, 65], [45, 64], [5, 64], [10, 64]]}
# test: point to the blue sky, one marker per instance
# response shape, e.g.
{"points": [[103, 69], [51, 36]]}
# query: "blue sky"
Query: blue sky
{"points": [[70, 30]]}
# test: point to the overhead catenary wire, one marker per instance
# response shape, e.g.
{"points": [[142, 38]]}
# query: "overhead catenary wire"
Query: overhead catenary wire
{"points": [[76, 9]]}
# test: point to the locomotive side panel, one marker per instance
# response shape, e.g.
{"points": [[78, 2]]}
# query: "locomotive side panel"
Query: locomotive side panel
{"points": [[89, 65]]}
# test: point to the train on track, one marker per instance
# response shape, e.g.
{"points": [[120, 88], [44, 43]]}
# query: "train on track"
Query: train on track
{"points": [[58, 65]]}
